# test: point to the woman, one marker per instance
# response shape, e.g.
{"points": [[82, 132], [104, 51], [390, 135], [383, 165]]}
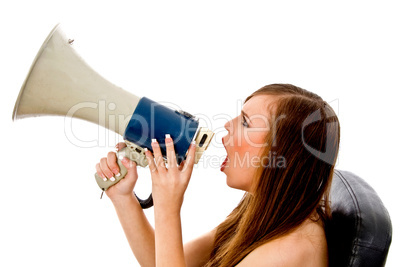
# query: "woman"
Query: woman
{"points": [[281, 150]]}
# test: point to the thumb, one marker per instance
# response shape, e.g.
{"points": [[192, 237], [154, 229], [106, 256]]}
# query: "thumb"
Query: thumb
{"points": [[131, 167], [120, 146]]}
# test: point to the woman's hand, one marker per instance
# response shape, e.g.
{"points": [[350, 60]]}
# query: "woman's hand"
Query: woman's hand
{"points": [[169, 184], [168, 187], [108, 168]]}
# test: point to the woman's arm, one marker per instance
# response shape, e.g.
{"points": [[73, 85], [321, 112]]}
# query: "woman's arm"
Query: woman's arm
{"points": [[139, 232], [168, 239], [168, 187]]}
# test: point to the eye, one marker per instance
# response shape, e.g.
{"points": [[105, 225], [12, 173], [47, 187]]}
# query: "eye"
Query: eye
{"points": [[244, 122]]}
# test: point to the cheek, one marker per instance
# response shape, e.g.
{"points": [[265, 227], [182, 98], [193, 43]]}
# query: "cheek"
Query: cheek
{"points": [[245, 146], [244, 160], [251, 143], [254, 139]]}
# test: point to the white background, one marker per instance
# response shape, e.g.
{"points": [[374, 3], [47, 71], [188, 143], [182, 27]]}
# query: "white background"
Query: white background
{"points": [[206, 57]]}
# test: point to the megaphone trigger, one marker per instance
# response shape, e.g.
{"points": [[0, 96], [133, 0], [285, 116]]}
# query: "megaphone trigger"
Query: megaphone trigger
{"points": [[134, 152]]}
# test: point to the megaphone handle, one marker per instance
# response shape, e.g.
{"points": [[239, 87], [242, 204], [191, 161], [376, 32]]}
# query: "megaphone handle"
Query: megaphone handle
{"points": [[104, 185], [147, 203]]}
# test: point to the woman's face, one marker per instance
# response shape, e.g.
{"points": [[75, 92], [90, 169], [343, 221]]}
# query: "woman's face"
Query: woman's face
{"points": [[245, 139]]}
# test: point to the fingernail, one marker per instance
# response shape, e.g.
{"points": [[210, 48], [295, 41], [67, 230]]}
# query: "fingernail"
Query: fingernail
{"points": [[153, 140], [118, 175], [121, 157], [104, 179], [145, 149], [167, 135], [112, 179], [193, 142]]}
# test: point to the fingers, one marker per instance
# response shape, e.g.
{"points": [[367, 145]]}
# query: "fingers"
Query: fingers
{"points": [[99, 172], [108, 168], [151, 162], [180, 168], [189, 164], [120, 146], [112, 163], [160, 164], [156, 162], [170, 154], [131, 168], [104, 168]]}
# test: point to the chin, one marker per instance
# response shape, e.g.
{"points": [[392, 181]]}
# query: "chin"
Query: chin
{"points": [[229, 181], [233, 184]]}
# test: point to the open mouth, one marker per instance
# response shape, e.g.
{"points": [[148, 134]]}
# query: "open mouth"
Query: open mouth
{"points": [[223, 166], [224, 163]]}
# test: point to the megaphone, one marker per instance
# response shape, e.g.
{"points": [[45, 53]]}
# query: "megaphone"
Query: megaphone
{"points": [[61, 83]]}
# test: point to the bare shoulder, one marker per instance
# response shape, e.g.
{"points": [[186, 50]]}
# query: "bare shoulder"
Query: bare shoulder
{"points": [[198, 251], [306, 246]]}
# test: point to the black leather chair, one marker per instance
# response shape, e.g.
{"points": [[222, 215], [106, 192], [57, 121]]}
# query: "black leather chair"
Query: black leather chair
{"points": [[360, 231]]}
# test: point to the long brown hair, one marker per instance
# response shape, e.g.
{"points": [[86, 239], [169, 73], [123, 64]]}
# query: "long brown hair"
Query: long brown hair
{"points": [[306, 134]]}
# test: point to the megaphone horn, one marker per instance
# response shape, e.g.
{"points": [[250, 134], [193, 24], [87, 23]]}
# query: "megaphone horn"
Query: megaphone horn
{"points": [[59, 81]]}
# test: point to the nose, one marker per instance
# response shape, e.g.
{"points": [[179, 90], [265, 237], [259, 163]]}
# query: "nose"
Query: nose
{"points": [[228, 125]]}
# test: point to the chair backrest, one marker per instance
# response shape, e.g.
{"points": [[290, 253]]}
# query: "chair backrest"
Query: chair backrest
{"points": [[360, 231]]}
